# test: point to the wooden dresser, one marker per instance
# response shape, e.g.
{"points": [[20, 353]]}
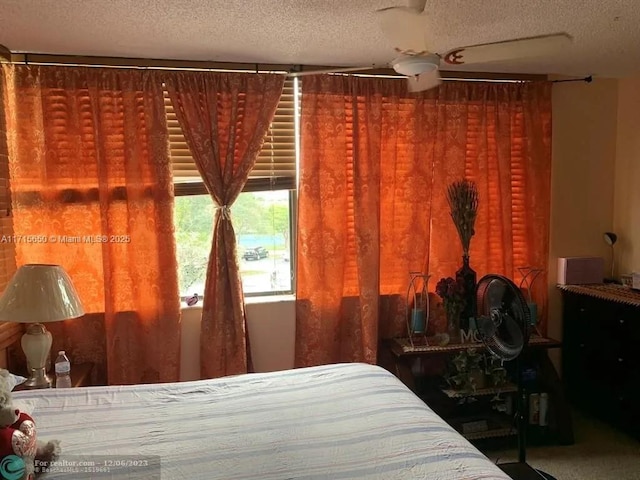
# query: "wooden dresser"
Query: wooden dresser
{"points": [[601, 354]]}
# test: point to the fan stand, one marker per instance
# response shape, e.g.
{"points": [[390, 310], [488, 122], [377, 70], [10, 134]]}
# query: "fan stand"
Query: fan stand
{"points": [[521, 470], [490, 305]]}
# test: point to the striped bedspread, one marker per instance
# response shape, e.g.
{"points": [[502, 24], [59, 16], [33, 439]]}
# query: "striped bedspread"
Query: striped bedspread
{"points": [[346, 421]]}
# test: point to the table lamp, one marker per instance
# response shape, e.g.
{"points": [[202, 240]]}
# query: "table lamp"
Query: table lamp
{"points": [[610, 239], [38, 294]]}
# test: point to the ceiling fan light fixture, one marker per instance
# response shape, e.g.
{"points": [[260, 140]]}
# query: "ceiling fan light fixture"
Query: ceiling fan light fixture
{"points": [[412, 66]]}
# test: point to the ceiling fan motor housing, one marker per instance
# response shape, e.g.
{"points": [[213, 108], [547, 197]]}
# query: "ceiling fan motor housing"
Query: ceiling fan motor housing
{"points": [[416, 65]]}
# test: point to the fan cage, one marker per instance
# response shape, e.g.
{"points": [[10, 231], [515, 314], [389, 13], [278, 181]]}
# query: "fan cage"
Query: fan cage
{"points": [[501, 307]]}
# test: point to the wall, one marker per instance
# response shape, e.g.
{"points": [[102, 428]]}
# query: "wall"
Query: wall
{"points": [[626, 217], [582, 177], [271, 325]]}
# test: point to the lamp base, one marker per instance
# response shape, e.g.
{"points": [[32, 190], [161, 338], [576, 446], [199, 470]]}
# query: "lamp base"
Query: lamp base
{"points": [[36, 344], [38, 379]]}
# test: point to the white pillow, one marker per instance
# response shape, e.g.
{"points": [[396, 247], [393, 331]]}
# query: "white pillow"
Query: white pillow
{"points": [[26, 406], [13, 380]]}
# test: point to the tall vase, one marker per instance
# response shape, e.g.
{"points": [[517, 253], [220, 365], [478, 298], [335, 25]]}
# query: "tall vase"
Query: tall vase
{"points": [[468, 277]]}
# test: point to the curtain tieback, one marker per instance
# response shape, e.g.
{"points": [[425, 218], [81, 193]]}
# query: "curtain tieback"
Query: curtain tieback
{"points": [[225, 211]]}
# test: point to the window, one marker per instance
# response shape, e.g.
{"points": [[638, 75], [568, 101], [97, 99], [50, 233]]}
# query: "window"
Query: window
{"points": [[262, 222], [262, 216]]}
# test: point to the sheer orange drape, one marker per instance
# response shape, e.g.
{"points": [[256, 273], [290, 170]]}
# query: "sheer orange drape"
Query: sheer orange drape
{"points": [[375, 165], [224, 117], [92, 191]]}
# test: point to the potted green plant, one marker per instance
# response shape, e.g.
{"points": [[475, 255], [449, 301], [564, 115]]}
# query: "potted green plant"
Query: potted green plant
{"points": [[494, 371], [466, 373]]}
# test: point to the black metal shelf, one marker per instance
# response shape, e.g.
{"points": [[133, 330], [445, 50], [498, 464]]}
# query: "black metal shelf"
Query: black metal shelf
{"points": [[498, 425], [480, 392]]}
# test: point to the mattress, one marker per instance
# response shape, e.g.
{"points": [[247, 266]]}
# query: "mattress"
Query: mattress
{"points": [[345, 421]]}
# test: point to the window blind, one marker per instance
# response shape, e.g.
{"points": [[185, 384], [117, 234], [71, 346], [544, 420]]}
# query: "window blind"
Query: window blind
{"points": [[276, 164], [502, 209], [399, 157]]}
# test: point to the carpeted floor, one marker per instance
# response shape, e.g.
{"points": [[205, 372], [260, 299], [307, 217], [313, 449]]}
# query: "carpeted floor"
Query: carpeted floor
{"points": [[599, 453]]}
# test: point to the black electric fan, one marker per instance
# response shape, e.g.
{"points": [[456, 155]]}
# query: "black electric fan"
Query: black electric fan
{"points": [[503, 324]]}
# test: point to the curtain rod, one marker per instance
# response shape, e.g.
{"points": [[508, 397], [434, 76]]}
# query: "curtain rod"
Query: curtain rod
{"points": [[184, 65], [588, 79]]}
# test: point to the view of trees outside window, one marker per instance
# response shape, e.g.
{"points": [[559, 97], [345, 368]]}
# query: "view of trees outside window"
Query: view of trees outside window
{"points": [[261, 221]]}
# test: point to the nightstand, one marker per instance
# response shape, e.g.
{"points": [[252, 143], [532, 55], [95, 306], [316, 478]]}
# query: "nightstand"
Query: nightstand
{"points": [[80, 376], [397, 356]]}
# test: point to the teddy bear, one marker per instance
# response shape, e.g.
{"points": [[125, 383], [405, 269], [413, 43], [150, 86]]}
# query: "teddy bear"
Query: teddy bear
{"points": [[19, 446]]}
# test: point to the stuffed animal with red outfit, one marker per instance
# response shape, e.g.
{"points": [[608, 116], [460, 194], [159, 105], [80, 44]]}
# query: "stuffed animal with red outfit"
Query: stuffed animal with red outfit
{"points": [[19, 445]]}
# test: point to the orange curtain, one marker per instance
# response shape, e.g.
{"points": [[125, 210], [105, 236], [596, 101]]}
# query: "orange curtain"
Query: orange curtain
{"points": [[92, 191], [365, 185], [224, 117], [498, 135], [375, 165]]}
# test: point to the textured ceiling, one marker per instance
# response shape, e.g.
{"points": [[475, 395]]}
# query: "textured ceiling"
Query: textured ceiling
{"points": [[322, 32]]}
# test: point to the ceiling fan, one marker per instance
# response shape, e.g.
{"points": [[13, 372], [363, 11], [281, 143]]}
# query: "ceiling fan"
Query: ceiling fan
{"points": [[404, 27]]}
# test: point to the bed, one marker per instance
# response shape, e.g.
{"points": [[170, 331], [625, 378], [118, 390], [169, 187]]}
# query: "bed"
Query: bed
{"points": [[345, 421]]}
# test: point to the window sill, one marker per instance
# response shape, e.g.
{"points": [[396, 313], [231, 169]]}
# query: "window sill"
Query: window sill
{"points": [[270, 299], [259, 299]]}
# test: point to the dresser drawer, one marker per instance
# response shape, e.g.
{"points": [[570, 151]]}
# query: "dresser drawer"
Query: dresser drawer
{"points": [[601, 356], [625, 322], [622, 409]]}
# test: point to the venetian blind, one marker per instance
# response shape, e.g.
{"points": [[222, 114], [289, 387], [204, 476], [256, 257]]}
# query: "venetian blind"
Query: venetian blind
{"points": [[503, 219], [351, 284], [276, 164], [401, 162]]}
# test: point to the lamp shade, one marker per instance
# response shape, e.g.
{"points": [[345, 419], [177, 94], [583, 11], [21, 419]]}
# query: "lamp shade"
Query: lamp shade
{"points": [[610, 238], [38, 294]]}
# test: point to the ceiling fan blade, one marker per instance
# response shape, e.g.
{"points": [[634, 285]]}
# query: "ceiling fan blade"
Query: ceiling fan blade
{"points": [[404, 27], [510, 49], [306, 73], [424, 81]]}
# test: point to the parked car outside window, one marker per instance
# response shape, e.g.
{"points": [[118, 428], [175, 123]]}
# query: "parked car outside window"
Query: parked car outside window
{"points": [[255, 253]]}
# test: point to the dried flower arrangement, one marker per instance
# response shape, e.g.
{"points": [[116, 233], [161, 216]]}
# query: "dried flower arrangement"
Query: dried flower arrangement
{"points": [[462, 196], [452, 293]]}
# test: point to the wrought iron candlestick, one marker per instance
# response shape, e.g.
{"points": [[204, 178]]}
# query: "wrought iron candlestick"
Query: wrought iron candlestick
{"points": [[417, 307], [529, 276]]}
